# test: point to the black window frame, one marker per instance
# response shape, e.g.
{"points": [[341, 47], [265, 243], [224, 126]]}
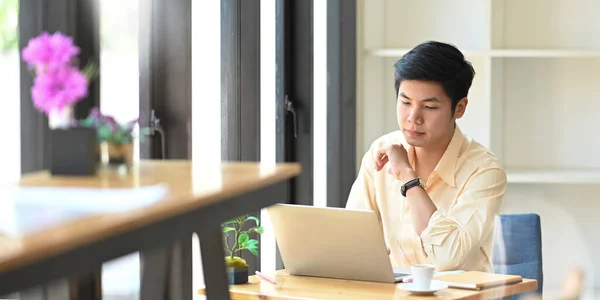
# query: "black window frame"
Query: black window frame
{"points": [[341, 100], [240, 89]]}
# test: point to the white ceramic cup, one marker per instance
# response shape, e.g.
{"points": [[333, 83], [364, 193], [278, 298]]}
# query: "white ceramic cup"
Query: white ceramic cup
{"points": [[422, 275]]}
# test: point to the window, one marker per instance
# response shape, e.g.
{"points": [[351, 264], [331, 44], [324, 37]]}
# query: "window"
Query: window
{"points": [[119, 97], [206, 97], [267, 119], [320, 103], [119, 70], [9, 76]]}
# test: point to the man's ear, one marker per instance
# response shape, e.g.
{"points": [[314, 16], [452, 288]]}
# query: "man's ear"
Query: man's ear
{"points": [[461, 107]]}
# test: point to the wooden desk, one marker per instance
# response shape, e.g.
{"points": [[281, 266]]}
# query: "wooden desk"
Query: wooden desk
{"points": [[198, 200], [301, 287]]}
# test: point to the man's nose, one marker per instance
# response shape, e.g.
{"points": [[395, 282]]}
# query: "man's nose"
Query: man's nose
{"points": [[415, 116]]}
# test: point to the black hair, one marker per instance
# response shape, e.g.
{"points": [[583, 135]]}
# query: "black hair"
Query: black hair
{"points": [[437, 62]]}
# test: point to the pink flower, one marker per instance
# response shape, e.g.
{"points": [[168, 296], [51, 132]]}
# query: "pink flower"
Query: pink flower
{"points": [[58, 87], [50, 50]]}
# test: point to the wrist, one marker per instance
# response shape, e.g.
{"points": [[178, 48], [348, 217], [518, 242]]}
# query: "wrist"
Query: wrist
{"points": [[407, 174]]}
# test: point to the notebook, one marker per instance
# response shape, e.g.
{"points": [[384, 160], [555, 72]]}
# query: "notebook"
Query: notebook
{"points": [[475, 280]]}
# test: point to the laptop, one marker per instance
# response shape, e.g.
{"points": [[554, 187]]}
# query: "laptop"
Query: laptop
{"points": [[332, 242]]}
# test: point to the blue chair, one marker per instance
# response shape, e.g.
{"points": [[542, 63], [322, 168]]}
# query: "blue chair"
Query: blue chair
{"points": [[518, 247]]}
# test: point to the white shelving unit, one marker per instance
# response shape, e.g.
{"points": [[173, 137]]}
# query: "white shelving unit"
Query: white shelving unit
{"points": [[535, 96]]}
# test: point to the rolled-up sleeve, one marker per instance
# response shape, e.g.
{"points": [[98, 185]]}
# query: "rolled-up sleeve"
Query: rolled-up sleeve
{"points": [[451, 237]]}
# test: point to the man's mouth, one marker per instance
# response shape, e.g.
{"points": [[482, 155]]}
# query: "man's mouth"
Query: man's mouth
{"points": [[414, 133]]}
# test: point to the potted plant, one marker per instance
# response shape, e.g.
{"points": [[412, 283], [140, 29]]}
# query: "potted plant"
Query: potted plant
{"points": [[58, 85], [236, 239], [115, 139]]}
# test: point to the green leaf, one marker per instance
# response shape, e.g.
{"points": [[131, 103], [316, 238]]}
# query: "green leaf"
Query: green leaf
{"points": [[259, 230], [254, 247], [253, 251], [91, 71], [243, 239], [255, 219], [104, 133], [228, 229], [251, 243], [229, 222], [87, 122]]}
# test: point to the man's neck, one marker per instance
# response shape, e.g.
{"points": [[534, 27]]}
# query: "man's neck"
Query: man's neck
{"points": [[429, 157]]}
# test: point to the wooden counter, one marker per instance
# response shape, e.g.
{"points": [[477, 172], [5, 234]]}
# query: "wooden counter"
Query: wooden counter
{"points": [[197, 195], [303, 287]]}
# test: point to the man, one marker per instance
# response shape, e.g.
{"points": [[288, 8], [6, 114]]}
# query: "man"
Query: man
{"points": [[436, 191]]}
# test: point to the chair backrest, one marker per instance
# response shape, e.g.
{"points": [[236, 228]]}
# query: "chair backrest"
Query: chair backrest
{"points": [[518, 247]]}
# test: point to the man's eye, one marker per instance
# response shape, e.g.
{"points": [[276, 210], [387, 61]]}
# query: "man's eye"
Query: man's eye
{"points": [[431, 107], [405, 103]]}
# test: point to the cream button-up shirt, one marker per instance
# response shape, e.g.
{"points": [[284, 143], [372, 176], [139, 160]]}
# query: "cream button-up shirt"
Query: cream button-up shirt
{"points": [[466, 186]]}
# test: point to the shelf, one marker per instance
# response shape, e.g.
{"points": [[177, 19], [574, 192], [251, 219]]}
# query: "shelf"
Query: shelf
{"points": [[524, 53], [398, 52], [558, 176], [533, 53]]}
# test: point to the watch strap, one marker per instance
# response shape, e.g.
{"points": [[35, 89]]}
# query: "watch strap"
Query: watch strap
{"points": [[410, 184]]}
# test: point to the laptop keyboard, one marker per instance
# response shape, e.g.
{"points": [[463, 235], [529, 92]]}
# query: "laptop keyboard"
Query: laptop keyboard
{"points": [[401, 272], [399, 276]]}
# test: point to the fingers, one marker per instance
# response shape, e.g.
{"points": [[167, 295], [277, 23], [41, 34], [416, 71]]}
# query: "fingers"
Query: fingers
{"points": [[382, 162], [398, 154], [381, 159]]}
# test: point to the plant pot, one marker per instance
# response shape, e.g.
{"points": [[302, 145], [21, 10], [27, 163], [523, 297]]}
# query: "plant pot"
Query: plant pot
{"points": [[60, 118], [237, 275], [73, 152], [121, 154]]}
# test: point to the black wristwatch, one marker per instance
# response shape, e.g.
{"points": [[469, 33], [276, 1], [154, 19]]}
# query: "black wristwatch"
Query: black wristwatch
{"points": [[411, 184]]}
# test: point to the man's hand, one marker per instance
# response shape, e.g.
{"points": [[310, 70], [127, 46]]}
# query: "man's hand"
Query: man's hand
{"points": [[396, 158]]}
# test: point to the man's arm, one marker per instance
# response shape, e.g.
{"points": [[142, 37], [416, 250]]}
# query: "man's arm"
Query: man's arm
{"points": [[421, 205], [396, 159], [449, 238]]}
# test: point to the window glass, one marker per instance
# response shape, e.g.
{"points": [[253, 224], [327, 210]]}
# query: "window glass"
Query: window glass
{"points": [[10, 78], [267, 119], [320, 103], [119, 97], [206, 100], [119, 63]]}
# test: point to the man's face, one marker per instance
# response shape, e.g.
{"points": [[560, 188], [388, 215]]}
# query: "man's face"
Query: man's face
{"points": [[425, 115]]}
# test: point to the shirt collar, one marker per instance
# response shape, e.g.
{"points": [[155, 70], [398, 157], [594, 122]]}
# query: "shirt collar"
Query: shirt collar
{"points": [[447, 165]]}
